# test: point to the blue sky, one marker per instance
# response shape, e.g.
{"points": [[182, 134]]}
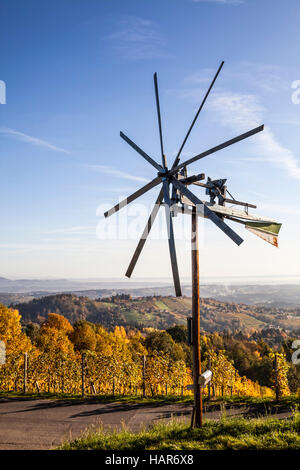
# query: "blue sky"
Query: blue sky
{"points": [[79, 71]]}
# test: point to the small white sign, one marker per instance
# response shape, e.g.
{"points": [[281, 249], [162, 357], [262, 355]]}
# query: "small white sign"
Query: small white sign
{"points": [[205, 378]]}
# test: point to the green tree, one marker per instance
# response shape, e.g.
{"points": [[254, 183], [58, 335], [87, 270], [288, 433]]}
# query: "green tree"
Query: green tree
{"points": [[161, 341], [178, 333]]}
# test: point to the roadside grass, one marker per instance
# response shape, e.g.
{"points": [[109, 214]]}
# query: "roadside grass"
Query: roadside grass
{"points": [[227, 434], [101, 398], [289, 402]]}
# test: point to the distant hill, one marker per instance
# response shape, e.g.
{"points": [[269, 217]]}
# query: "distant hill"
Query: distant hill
{"points": [[273, 295], [159, 312]]}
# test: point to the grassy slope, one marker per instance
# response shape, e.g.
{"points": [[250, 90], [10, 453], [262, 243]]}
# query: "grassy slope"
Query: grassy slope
{"points": [[235, 434], [228, 433]]}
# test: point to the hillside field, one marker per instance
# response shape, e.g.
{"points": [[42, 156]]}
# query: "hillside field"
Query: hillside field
{"points": [[159, 312]]}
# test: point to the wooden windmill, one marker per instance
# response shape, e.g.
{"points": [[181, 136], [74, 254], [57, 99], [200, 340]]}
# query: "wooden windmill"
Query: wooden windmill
{"points": [[182, 199]]}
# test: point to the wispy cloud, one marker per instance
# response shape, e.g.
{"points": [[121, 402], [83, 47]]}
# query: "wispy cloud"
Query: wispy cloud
{"points": [[80, 229], [282, 208], [31, 140], [112, 189], [138, 38], [293, 122], [203, 76], [242, 112], [269, 78], [74, 246], [223, 2], [109, 170]]}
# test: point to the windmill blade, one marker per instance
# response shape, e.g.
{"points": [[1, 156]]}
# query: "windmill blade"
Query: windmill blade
{"points": [[133, 196], [216, 149], [159, 122], [171, 239], [141, 152], [145, 234], [197, 114], [207, 212]]}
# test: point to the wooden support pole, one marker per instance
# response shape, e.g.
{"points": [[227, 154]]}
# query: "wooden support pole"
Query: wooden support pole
{"points": [[144, 376], [82, 375], [276, 377], [25, 372], [209, 383], [93, 389], [196, 322]]}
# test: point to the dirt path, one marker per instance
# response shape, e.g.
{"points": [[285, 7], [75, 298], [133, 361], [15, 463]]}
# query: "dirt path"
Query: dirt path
{"points": [[42, 424]]}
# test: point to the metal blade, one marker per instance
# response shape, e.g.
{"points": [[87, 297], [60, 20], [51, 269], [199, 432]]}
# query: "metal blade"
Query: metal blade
{"points": [[141, 152], [171, 239], [216, 149], [145, 234], [159, 122], [133, 196], [198, 112], [207, 212]]}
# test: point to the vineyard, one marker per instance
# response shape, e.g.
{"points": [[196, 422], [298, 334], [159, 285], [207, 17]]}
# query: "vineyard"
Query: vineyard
{"points": [[103, 375], [87, 359]]}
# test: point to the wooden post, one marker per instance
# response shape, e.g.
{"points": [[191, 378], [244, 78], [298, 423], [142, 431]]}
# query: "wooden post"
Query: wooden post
{"points": [[25, 372], [144, 376], [196, 322], [93, 389], [208, 386], [82, 374], [276, 377]]}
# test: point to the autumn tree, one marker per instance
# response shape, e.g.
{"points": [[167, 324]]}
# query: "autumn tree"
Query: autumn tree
{"points": [[11, 331], [59, 322], [83, 337], [16, 343], [280, 374]]}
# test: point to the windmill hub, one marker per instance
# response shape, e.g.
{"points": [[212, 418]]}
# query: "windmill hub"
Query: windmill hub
{"points": [[163, 173]]}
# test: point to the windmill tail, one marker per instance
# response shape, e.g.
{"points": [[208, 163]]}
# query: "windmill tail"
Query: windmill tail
{"points": [[267, 231]]}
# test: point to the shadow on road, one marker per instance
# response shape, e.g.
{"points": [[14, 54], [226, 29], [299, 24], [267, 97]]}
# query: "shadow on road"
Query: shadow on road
{"points": [[99, 407]]}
